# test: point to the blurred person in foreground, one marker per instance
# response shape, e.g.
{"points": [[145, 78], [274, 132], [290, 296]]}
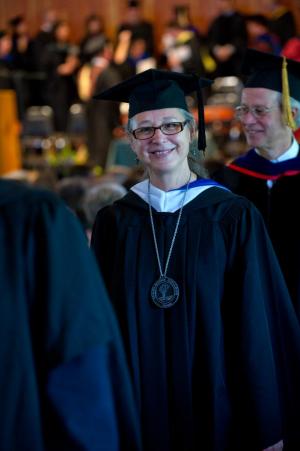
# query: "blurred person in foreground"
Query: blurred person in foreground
{"points": [[209, 329], [64, 383], [269, 173]]}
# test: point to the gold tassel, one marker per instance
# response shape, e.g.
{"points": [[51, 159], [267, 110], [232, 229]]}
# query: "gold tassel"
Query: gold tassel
{"points": [[287, 111]]}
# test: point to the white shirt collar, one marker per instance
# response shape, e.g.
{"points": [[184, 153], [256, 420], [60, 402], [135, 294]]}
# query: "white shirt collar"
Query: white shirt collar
{"points": [[291, 152], [167, 201]]}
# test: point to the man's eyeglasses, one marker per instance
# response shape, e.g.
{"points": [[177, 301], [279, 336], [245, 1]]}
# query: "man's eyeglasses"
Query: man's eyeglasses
{"points": [[169, 128], [257, 111]]}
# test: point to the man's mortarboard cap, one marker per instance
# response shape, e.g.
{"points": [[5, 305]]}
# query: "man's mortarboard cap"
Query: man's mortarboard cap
{"points": [[156, 89], [265, 70]]}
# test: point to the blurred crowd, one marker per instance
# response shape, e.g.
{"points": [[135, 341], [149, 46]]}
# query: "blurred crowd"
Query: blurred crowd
{"points": [[55, 77]]}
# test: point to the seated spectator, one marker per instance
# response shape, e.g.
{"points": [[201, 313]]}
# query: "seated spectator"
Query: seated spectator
{"points": [[131, 55], [45, 34], [22, 46]]}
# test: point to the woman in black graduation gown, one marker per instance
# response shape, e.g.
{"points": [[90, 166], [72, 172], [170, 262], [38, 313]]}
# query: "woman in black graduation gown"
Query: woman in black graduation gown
{"points": [[208, 326]]}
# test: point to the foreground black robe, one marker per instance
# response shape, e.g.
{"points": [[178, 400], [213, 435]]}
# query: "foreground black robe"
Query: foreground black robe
{"points": [[64, 383], [248, 176], [211, 372]]}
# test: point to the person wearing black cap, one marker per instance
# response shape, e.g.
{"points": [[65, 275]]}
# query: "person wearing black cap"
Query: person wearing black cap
{"points": [[269, 173], [196, 287]]}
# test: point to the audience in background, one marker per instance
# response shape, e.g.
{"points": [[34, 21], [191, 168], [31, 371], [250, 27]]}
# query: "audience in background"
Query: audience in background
{"points": [[259, 35], [54, 71], [94, 38], [101, 119], [282, 21], [98, 196], [22, 49], [180, 49], [131, 54], [227, 39], [6, 61], [139, 27], [61, 61], [291, 48], [64, 381], [72, 191]]}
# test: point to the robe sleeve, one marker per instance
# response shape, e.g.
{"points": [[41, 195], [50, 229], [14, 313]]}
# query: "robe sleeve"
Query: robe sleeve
{"points": [[262, 339]]}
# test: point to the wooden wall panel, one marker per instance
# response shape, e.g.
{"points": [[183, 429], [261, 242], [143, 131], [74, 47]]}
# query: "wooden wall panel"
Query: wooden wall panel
{"points": [[157, 11]]}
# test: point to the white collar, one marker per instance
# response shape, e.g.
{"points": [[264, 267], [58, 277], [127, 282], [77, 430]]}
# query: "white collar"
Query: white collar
{"points": [[167, 201], [291, 152]]}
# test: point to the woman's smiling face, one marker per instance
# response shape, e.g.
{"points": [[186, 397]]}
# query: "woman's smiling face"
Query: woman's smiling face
{"points": [[161, 153]]}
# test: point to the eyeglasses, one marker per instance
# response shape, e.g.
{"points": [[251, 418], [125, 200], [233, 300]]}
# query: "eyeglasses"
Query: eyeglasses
{"points": [[169, 128], [257, 111]]}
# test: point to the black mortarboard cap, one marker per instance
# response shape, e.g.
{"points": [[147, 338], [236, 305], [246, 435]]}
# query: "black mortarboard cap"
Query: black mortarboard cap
{"points": [[156, 89], [264, 70]]}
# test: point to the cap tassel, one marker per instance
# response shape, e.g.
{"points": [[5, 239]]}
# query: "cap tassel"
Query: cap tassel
{"points": [[201, 121], [287, 111]]}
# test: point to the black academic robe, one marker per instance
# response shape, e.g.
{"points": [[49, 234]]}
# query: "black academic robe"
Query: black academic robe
{"points": [[61, 90], [228, 29], [64, 383], [211, 372], [248, 176]]}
